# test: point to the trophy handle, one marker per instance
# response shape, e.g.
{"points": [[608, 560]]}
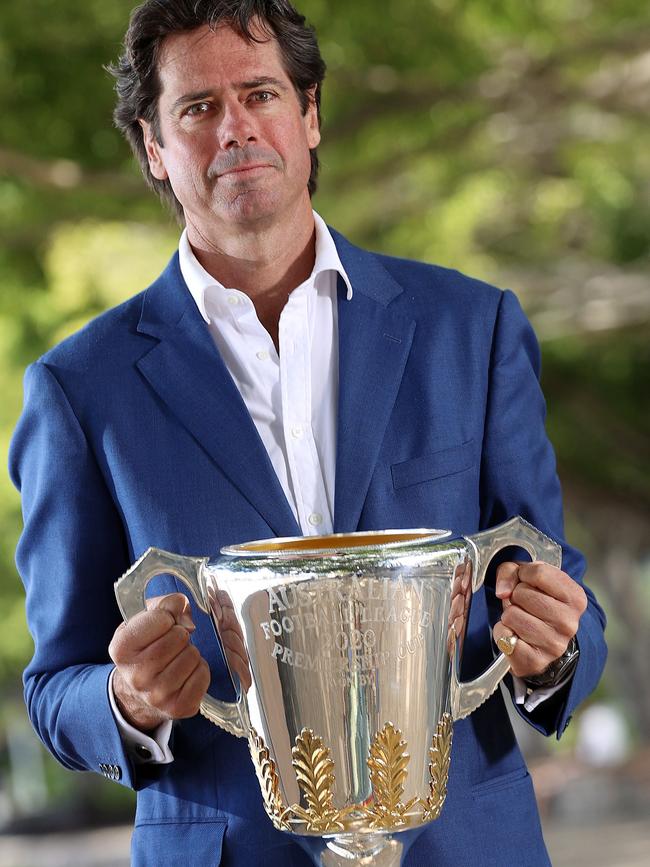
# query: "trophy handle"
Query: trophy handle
{"points": [[466, 697], [129, 591]]}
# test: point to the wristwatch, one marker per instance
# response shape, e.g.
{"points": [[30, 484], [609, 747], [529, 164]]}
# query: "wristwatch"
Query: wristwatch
{"points": [[559, 670]]}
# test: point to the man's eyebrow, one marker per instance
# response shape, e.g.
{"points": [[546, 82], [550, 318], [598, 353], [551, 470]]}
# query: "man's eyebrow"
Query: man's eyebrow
{"points": [[260, 80]]}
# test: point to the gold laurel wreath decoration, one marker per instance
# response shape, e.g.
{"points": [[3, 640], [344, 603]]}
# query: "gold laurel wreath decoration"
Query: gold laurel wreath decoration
{"points": [[315, 774], [268, 780], [440, 755], [388, 762]]}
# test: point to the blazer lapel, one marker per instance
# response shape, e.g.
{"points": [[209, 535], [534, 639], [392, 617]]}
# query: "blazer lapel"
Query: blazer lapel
{"points": [[188, 374], [374, 344]]}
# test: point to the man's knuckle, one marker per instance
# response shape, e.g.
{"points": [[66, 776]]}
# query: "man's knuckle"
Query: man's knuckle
{"points": [[581, 601], [558, 647], [572, 627]]}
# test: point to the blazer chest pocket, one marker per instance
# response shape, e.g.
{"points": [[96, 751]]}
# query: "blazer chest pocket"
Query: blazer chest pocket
{"points": [[436, 465]]}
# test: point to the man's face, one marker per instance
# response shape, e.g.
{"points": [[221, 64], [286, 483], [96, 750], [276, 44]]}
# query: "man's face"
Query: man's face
{"points": [[235, 142]]}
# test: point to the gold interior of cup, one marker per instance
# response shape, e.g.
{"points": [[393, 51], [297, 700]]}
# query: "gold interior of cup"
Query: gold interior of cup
{"points": [[336, 541]]}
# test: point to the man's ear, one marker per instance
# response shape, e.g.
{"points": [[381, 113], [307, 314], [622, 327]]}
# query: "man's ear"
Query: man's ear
{"points": [[312, 127], [153, 148]]}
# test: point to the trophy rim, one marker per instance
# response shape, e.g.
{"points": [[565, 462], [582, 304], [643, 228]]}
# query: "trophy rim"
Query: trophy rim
{"points": [[333, 544]]}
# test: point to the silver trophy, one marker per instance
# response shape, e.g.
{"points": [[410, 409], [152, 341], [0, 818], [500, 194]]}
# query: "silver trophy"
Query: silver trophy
{"points": [[345, 652]]}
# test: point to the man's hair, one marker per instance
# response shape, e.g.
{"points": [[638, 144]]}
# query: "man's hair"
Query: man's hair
{"points": [[137, 82]]}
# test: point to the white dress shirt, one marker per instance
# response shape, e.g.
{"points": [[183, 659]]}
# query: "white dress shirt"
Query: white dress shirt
{"points": [[292, 395], [292, 398]]}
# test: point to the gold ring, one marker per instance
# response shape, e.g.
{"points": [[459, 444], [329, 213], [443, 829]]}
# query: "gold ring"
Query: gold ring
{"points": [[507, 644]]}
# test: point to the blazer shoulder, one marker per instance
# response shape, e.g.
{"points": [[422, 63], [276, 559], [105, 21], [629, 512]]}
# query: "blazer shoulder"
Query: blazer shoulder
{"points": [[104, 338], [427, 283]]}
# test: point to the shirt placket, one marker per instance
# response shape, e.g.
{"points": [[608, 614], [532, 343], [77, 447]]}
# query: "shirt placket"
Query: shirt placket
{"points": [[254, 364], [295, 378]]}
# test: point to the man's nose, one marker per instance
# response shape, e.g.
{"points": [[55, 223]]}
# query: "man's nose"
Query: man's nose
{"points": [[237, 127]]}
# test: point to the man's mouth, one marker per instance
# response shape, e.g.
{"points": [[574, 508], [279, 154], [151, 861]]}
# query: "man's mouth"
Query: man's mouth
{"points": [[246, 168]]}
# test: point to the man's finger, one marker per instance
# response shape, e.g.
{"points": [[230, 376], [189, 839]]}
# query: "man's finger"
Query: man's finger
{"points": [[507, 579], [138, 633], [188, 698], [176, 604], [552, 581], [525, 659], [146, 627], [540, 604], [549, 641], [154, 658]]}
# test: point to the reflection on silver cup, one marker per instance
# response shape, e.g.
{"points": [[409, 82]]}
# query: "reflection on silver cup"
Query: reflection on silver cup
{"points": [[346, 650]]}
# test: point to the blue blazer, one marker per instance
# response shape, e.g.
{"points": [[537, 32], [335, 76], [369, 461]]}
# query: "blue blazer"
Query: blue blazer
{"points": [[133, 434]]}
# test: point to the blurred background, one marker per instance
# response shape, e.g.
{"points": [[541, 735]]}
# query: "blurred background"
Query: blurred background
{"points": [[506, 138]]}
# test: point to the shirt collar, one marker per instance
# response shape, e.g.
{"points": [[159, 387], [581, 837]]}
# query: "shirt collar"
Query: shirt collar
{"points": [[327, 256], [199, 281]]}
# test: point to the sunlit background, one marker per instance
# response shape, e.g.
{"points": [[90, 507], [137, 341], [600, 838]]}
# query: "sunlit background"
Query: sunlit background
{"points": [[506, 138]]}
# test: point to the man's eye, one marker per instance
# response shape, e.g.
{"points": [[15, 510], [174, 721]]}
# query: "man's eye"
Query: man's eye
{"points": [[197, 108], [262, 96]]}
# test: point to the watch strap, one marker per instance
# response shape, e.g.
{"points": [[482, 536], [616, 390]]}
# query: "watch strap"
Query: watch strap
{"points": [[559, 670]]}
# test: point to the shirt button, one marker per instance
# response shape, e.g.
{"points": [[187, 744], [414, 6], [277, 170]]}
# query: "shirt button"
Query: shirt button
{"points": [[263, 355], [296, 432], [233, 299], [142, 752], [315, 519]]}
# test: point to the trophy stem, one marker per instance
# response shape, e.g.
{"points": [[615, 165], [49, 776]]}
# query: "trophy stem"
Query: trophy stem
{"points": [[362, 850]]}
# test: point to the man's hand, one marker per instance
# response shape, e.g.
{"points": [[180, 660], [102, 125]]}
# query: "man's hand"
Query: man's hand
{"points": [[159, 674], [542, 606]]}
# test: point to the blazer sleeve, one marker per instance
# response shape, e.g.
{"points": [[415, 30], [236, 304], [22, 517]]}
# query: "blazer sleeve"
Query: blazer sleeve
{"points": [[72, 549], [518, 476]]}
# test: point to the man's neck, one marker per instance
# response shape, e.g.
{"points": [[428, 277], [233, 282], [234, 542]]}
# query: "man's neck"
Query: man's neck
{"points": [[266, 262], [259, 257]]}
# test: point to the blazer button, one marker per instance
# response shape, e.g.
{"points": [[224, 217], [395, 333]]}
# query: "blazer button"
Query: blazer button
{"points": [[103, 769], [116, 772]]}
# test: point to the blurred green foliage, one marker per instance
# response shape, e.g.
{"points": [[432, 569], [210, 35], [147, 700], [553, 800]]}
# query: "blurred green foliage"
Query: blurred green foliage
{"points": [[507, 139]]}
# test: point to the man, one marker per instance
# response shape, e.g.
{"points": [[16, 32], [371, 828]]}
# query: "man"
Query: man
{"points": [[275, 380]]}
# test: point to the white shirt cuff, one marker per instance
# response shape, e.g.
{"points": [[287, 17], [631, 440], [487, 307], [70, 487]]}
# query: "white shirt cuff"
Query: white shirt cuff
{"points": [[138, 744], [533, 698]]}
